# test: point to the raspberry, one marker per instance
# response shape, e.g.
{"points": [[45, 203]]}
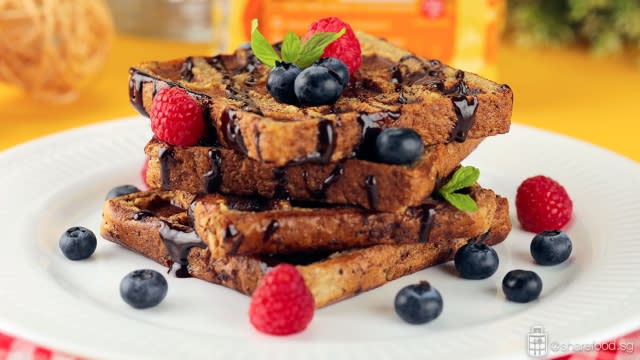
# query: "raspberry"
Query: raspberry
{"points": [[282, 304], [143, 172], [176, 118], [346, 48], [543, 204]]}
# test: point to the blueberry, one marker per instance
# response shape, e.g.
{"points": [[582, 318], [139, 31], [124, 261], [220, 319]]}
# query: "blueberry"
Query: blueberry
{"points": [[419, 303], [399, 146], [281, 80], [121, 190], [476, 261], [78, 243], [521, 286], [336, 66], [143, 288], [551, 247], [317, 85]]}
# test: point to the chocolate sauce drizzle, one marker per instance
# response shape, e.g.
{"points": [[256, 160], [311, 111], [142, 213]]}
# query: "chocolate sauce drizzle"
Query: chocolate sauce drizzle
{"points": [[141, 215], [465, 108], [178, 244], [331, 179], [371, 185], [187, 69], [326, 145], [431, 75], [233, 236], [213, 178], [231, 131], [281, 191], [165, 156], [271, 229], [231, 88], [426, 222], [371, 125], [136, 80]]}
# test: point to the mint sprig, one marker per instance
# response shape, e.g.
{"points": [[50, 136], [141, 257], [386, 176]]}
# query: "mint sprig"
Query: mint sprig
{"points": [[293, 50], [463, 178]]}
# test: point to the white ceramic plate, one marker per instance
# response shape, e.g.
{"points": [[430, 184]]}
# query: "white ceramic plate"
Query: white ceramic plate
{"points": [[60, 181]]}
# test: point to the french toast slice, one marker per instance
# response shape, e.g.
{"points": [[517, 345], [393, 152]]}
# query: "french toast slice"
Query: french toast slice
{"points": [[374, 186], [393, 88], [140, 222], [232, 227]]}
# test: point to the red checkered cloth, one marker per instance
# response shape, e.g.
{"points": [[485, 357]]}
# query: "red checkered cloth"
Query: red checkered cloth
{"points": [[12, 348]]}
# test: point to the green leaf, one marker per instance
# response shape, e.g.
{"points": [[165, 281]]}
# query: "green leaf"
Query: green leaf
{"points": [[314, 47], [291, 46], [462, 178], [261, 47], [462, 202]]}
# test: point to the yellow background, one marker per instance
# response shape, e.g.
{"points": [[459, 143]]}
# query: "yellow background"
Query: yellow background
{"points": [[562, 90]]}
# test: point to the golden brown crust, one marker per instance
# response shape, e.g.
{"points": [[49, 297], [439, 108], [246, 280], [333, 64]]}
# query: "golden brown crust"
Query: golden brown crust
{"points": [[398, 186], [279, 134], [338, 277], [286, 229]]}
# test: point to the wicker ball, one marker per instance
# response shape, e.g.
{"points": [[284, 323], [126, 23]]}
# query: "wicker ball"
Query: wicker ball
{"points": [[50, 48]]}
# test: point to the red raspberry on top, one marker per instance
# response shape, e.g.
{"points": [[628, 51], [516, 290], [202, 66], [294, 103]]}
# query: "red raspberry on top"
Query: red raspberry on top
{"points": [[176, 118], [346, 48], [543, 204], [282, 304]]}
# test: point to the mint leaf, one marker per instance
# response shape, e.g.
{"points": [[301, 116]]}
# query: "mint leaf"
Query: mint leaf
{"points": [[261, 47], [314, 47], [462, 202], [291, 46], [462, 178]]}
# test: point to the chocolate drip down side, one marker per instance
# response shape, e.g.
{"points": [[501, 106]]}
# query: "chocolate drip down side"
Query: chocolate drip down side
{"points": [[165, 156], [234, 237], [178, 244], [213, 178]]}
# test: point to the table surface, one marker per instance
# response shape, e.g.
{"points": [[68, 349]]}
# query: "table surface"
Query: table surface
{"points": [[562, 90]]}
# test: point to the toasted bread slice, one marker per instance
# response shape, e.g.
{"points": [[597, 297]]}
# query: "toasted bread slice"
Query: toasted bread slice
{"points": [[232, 228], [138, 223], [375, 186], [393, 88], [231, 225]]}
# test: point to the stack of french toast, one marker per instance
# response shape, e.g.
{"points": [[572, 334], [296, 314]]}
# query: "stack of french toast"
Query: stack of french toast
{"points": [[273, 183]]}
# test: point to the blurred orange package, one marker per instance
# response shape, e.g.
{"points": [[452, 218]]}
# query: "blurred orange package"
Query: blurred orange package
{"points": [[463, 33]]}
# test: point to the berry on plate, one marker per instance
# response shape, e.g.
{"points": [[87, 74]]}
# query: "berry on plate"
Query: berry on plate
{"points": [[346, 48], [143, 288], [176, 118], [399, 146], [543, 204], [121, 190], [476, 261], [551, 247], [280, 82], [419, 303], [78, 243], [282, 304], [521, 286]]}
